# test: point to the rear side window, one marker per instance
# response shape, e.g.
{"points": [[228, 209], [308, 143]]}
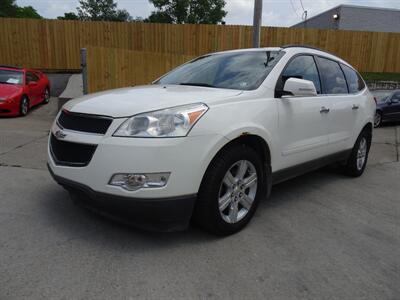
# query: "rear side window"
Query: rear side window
{"points": [[354, 81], [31, 77], [302, 67], [333, 80]]}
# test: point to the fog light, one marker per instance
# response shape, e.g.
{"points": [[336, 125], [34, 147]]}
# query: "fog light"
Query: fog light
{"points": [[133, 182]]}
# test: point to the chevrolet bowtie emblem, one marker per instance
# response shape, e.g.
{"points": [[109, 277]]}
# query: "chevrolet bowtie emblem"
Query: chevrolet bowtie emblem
{"points": [[59, 134]]}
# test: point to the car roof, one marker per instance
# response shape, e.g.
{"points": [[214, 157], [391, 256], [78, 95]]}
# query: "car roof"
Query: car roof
{"points": [[315, 51], [14, 68], [292, 49], [248, 50]]}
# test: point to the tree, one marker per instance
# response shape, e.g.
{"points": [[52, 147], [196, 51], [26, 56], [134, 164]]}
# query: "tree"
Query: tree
{"points": [[159, 17], [28, 12], [187, 11], [69, 16], [101, 10], [8, 8]]}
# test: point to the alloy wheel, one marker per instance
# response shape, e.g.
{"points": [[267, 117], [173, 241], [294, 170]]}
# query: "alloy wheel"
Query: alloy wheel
{"points": [[237, 191], [24, 106], [361, 153]]}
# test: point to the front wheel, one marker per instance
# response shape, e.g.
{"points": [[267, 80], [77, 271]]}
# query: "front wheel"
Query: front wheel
{"points": [[230, 191], [24, 106], [357, 161]]}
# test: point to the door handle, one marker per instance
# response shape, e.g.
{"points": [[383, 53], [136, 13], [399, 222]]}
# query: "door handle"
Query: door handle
{"points": [[324, 110], [355, 107]]}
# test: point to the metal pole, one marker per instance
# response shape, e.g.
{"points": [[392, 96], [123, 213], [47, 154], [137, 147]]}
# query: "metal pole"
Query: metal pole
{"points": [[84, 70], [257, 23]]}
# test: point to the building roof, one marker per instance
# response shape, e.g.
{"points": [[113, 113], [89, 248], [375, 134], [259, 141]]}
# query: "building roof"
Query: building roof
{"points": [[349, 6]]}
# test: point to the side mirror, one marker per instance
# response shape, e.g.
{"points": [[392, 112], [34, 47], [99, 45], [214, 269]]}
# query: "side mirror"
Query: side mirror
{"points": [[299, 88]]}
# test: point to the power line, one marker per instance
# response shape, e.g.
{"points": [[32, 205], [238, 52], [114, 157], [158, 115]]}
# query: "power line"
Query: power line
{"points": [[301, 3], [294, 9]]}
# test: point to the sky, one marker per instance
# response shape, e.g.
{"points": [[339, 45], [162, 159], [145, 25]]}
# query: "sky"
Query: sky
{"points": [[275, 12]]}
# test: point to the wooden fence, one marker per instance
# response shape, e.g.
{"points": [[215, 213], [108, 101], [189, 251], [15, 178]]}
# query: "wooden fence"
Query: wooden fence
{"points": [[109, 68], [55, 44]]}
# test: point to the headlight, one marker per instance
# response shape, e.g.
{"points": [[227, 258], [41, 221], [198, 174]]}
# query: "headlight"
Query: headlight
{"points": [[170, 122]]}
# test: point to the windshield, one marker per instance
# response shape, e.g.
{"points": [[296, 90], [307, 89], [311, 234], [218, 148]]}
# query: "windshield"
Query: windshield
{"points": [[235, 70], [10, 77]]}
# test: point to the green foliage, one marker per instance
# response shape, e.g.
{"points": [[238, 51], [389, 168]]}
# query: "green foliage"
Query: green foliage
{"points": [[381, 76], [69, 16], [187, 11], [101, 10], [9, 9], [28, 12]]}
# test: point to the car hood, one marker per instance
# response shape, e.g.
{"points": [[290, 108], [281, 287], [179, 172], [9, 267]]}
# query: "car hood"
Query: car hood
{"points": [[130, 101], [9, 90]]}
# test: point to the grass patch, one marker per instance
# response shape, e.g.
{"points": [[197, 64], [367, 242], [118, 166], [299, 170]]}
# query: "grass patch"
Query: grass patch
{"points": [[381, 76]]}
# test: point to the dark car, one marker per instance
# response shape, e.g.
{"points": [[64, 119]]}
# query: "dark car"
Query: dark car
{"points": [[21, 89], [388, 108]]}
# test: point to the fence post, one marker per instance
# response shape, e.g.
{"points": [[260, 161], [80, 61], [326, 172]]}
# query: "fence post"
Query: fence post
{"points": [[84, 70]]}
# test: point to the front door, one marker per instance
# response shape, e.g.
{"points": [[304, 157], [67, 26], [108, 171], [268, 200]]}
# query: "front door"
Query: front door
{"points": [[303, 131], [34, 89]]}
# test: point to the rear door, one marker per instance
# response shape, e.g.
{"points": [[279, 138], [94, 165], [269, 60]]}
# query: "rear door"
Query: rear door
{"points": [[302, 125], [345, 106]]}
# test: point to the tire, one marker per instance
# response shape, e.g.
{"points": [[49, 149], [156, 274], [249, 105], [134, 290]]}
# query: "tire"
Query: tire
{"points": [[378, 119], [46, 96], [238, 198], [357, 161], [24, 106]]}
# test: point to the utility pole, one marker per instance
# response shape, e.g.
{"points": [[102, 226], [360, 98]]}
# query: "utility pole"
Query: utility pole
{"points": [[257, 23]]}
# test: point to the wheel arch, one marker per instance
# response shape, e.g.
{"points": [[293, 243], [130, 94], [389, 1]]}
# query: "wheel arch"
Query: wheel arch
{"points": [[368, 127], [257, 143]]}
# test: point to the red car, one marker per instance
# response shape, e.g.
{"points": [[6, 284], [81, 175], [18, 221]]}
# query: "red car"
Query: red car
{"points": [[20, 89]]}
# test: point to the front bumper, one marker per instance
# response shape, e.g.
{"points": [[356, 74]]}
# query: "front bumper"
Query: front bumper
{"points": [[186, 159], [9, 108], [165, 208], [161, 214]]}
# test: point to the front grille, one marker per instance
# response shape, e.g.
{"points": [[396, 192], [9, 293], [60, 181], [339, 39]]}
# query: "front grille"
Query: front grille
{"points": [[84, 122], [71, 154]]}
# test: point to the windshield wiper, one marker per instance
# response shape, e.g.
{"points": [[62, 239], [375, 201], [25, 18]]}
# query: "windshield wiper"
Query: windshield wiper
{"points": [[197, 84]]}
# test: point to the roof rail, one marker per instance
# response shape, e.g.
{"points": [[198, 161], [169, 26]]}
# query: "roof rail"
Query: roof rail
{"points": [[305, 46]]}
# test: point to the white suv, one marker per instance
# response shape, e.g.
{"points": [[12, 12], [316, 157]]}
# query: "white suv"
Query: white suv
{"points": [[206, 141]]}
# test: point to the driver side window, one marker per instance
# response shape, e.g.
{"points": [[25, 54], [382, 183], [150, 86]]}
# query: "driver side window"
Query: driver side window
{"points": [[302, 67]]}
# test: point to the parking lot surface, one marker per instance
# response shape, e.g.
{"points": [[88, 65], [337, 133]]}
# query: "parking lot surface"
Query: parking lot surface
{"points": [[319, 236]]}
